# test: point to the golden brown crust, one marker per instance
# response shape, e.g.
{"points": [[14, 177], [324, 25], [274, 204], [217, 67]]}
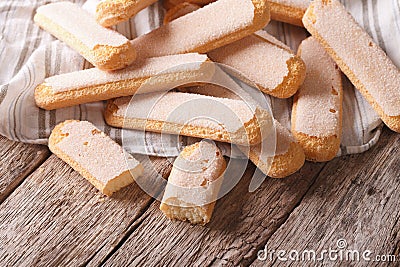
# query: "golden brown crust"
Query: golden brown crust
{"points": [[282, 165], [317, 149], [112, 58], [287, 14], [107, 189], [176, 210], [109, 13], [288, 163], [296, 67], [393, 122], [112, 12], [291, 82], [56, 137], [45, 97], [102, 56], [249, 134]]}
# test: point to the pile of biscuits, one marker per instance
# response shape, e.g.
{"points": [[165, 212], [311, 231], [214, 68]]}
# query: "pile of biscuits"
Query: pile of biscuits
{"points": [[195, 34]]}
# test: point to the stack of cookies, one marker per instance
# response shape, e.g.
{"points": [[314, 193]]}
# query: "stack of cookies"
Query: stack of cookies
{"points": [[135, 75]]}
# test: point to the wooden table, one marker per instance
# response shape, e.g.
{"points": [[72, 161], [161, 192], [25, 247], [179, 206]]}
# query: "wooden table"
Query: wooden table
{"points": [[51, 216]]}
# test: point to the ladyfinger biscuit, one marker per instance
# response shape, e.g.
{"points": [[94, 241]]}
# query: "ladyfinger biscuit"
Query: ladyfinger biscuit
{"points": [[289, 11], [317, 106], [289, 156], [104, 48], [364, 62], [179, 11], [104, 163], [205, 29], [288, 159], [112, 12], [194, 183], [221, 119], [260, 58], [143, 76], [265, 62]]}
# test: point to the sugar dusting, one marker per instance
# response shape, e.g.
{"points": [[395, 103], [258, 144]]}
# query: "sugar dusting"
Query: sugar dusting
{"points": [[139, 69], [358, 51], [196, 177], [94, 151], [283, 136], [194, 165], [203, 26], [318, 103], [187, 109], [81, 24], [260, 60]]}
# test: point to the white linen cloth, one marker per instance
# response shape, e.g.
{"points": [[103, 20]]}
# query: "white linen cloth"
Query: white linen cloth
{"points": [[28, 55]]}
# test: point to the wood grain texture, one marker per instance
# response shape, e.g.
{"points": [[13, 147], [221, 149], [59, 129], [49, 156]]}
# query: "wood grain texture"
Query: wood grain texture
{"points": [[17, 160], [355, 198], [56, 218], [241, 223]]}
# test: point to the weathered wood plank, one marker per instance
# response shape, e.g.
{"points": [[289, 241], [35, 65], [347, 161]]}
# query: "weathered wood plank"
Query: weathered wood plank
{"points": [[354, 198], [17, 160], [241, 223], [56, 218]]}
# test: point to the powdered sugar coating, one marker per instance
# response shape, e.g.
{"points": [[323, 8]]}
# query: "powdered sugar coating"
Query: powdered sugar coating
{"points": [[196, 175], [283, 136], [94, 151], [194, 165], [258, 59], [205, 25], [139, 69], [187, 109], [81, 24], [365, 59], [318, 99]]}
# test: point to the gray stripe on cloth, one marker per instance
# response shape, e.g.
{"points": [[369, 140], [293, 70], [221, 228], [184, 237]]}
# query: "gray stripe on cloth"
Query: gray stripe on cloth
{"points": [[3, 92], [21, 60], [377, 26], [42, 112], [365, 17]]}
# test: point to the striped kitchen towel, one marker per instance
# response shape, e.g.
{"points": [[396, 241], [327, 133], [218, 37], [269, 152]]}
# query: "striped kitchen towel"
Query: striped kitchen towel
{"points": [[29, 55]]}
